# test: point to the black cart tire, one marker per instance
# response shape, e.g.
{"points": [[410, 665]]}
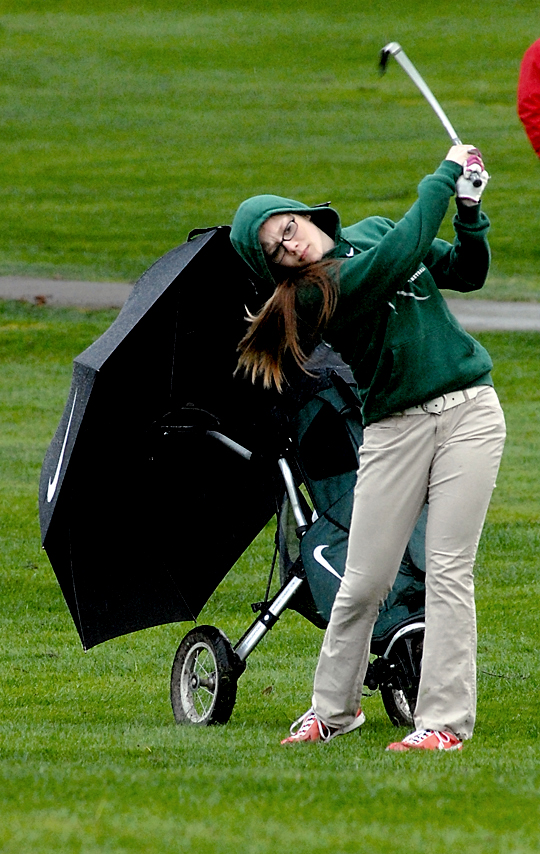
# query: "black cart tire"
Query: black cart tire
{"points": [[399, 689], [204, 677]]}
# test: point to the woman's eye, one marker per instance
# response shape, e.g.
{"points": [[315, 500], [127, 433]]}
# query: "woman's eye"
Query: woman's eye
{"points": [[289, 230]]}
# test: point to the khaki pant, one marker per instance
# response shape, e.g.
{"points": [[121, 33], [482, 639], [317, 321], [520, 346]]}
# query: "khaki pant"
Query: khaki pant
{"points": [[451, 460]]}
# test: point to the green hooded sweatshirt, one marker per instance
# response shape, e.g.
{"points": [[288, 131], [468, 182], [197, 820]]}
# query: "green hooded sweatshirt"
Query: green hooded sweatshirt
{"points": [[391, 324]]}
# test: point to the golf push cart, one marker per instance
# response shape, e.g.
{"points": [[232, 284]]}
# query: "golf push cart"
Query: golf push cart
{"points": [[161, 449]]}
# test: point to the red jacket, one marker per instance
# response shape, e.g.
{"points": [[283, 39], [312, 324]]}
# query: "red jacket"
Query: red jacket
{"points": [[528, 95]]}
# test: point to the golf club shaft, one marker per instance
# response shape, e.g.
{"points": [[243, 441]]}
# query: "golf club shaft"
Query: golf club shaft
{"points": [[395, 50]]}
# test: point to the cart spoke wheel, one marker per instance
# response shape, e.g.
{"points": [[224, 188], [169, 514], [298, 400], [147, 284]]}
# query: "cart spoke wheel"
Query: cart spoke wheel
{"points": [[399, 690], [399, 708], [203, 679]]}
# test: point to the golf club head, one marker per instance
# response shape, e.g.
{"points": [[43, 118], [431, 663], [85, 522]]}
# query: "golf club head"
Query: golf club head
{"points": [[384, 55]]}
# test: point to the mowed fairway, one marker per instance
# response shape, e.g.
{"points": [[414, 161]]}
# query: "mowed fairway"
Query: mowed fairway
{"points": [[123, 127], [90, 757], [126, 125]]}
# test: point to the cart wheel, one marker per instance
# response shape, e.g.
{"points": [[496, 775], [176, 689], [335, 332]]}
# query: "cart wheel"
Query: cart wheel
{"points": [[399, 689], [204, 675]]}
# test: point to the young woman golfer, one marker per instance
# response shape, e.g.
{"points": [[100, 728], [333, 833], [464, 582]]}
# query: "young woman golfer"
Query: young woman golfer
{"points": [[434, 428]]}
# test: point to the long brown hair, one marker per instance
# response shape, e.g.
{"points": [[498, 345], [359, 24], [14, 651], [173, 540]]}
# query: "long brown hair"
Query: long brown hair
{"points": [[277, 333]]}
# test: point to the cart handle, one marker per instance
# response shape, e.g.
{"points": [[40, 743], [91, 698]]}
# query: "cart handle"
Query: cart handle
{"points": [[229, 443]]}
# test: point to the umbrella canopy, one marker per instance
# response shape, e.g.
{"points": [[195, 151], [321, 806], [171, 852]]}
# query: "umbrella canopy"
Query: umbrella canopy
{"points": [[142, 512]]}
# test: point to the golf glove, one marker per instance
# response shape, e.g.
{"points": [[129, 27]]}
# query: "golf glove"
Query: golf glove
{"points": [[471, 184]]}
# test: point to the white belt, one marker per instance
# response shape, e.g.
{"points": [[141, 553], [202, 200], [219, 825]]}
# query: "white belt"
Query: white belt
{"points": [[444, 401]]}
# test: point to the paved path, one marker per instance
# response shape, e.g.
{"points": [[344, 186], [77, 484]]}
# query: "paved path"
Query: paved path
{"points": [[479, 314], [476, 315], [61, 292]]}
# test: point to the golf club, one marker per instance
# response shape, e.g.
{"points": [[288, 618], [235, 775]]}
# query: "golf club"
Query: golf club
{"points": [[394, 49]]}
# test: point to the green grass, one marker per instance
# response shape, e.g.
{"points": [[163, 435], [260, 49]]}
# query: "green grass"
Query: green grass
{"points": [[124, 125], [90, 758]]}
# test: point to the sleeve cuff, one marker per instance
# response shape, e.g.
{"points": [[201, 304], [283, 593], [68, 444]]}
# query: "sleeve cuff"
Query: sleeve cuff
{"points": [[469, 214]]}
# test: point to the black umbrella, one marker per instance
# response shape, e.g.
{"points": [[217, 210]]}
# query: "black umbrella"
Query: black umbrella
{"points": [[142, 512]]}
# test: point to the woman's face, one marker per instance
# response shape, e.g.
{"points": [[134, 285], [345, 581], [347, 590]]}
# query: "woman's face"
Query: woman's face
{"points": [[292, 240]]}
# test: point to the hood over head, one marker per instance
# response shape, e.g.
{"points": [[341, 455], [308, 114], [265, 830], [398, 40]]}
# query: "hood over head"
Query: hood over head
{"points": [[255, 211]]}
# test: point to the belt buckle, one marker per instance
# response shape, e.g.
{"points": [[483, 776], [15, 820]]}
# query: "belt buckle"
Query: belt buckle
{"points": [[432, 406]]}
